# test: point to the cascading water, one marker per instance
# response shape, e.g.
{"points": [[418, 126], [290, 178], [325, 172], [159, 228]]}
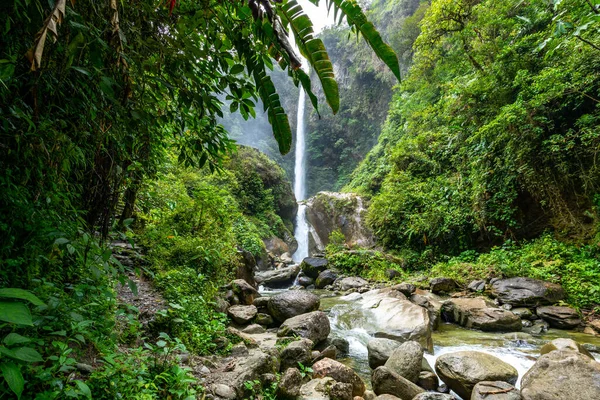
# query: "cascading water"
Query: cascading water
{"points": [[301, 231]]}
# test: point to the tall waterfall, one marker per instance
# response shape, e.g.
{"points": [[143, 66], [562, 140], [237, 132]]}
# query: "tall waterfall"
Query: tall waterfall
{"points": [[301, 231]]}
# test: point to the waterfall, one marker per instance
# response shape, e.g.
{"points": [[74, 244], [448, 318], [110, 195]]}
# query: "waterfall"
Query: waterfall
{"points": [[301, 231]]}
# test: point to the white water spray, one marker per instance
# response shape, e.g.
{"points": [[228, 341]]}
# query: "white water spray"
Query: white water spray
{"points": [[301, 231]]}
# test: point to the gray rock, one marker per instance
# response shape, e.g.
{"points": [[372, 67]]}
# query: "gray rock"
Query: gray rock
{"points": [[523, 313], [312, 266], [329, 352], [442, 285], [369, 395], [428, 380], [292, 303], [433, 396], [475, 313], [351, 282], [261, 303], [253, 329], [341, 391], [386, 381], [341, 373], [379, 350], [527, 292], [559, 317], [387, 397], [433, 307], [264, 319], [296, 352], [242, 314], [340, 343], [406, 360], [495, 391], [305, 281], [425, 366], [565, 344], [462, 370], [539, 327], [325, 278], [277, 278], [406, 289], [314, 326], [224, 391], [245, 292], [560, 375], [316, 389], [477, 286]]}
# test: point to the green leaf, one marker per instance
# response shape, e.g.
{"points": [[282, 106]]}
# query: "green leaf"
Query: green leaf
{"points": [[306, 84], [27, 354], [13, 377], [14, 312], [60, 241], [357, 18], [15, 338], [312, 49], [84, 389], [14, 293], [236, 69]]}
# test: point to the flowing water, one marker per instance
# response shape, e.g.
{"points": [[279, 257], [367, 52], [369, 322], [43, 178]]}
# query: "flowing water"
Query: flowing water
{"points": [[301, 230]]}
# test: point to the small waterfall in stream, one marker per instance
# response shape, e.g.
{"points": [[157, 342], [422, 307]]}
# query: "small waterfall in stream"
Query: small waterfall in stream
{"points": [[301, 230]]}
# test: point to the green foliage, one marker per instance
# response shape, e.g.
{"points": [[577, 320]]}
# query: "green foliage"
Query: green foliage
{"points": [[256, 390]]}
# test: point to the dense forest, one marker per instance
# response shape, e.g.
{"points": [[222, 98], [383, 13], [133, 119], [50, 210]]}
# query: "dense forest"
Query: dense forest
{"points": [[145, 163]]}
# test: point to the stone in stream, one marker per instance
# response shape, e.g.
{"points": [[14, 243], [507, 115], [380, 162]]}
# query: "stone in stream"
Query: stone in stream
{"points": [[291, 303], [559, 317], [561, 375], [495, 391], [428, 380], [475, 313], [325, 278], [406, 289], [242, 314], [296, 352], [386, 381], [433, 307], [379, 350], [406, 360], [524, 313], [264, 319], [277, 278], [442, 285], [314, 326], [434, 396], [341, 373], [351, 282], [305, 281], [462, 370], [539, 327], [527, 292], [565, 344], [341, 344], [313, 266]]}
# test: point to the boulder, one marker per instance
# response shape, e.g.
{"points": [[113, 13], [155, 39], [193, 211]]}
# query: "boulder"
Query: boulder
{"points": [[433, 396], [291, 303], [314, 326], [379, 350], [329, 352], [316, 389], [406, 289], [245, 269], [244, 291], [298, 351], [289, 384], [254, 329], [524, 313], [475, 313], [341, 344], [325, 278], [387, 397], [477, 286], [342, 391], [428, 380], [527, 292], [442, 285], [341, 373], [242, 314], [351, 282], [559, 317], [313, 266], [433, 307], [264, 319], [565, 344], [538, 327], [276, 246], [495, 391], [386, 381], [305, 281], [462, 370], [261, 303], [277, 278], [406, 360], [560, 375]]}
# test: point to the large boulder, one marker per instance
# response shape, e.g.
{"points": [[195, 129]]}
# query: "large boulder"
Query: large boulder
{"points": [[462, 370], [442, 285], [341, 373], [276, 246], [325, 278], [245, 268], [289, 384], [314, 326], [386, 381], [477, 285], [527, 292], [495, 391], [560, 375], [564, 344], [313, 266], [330, 211], [428, 380], [351, 282], [244, 291], [277, 278], [290, 303], [406, 360], [242, 314], [475, 313], [379, 350], [296, 352], [559, 317]]}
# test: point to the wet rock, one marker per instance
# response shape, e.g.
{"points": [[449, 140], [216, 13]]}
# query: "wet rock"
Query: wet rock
{"points": [[341, 373], [425, 365], [296, 352], [527, 292], [314, 326], [565, 344], [476, 314], [305, 281], [433, 396], [351, 282], [325, 278], [433, 307], [244, 291], [560, 375], [406, 289], [523, 313], [312, 266], [264, 319], [379, 350], [328, 352], [591, 348], [242, 314], [559, 317], [386, 381], [277, 278], [539, 327], [286, 258], [292, 303], [462, 370], [406, 360], [495, 391], [442, 285], [253, 329], [428, 380], [477, 286], [341, 344]]}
